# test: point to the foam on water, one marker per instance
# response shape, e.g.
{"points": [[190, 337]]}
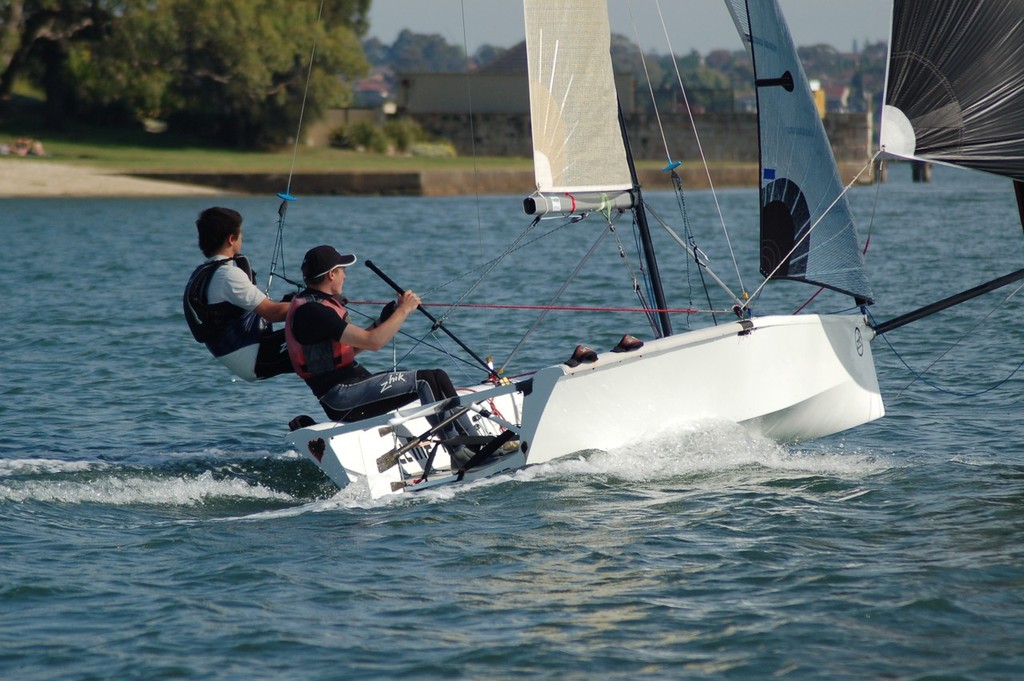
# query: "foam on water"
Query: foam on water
{"points": [[10, 467], [115, 486], [720, 447], [353, 497], [698, 453]]}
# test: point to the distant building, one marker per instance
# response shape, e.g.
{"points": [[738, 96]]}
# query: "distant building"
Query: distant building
{"points": [[499, 88]]}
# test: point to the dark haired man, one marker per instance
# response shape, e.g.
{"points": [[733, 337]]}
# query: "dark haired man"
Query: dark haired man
{"points": [[224, 308], [323, 345]]}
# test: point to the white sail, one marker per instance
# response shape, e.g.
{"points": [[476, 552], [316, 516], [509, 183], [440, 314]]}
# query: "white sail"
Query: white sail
{"points": [[577, 141]]}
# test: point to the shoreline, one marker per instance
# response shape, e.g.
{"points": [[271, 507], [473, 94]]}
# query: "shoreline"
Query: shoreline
{"points": [[27, 177]]}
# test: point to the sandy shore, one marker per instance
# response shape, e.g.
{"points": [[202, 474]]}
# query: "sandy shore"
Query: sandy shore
{"points": [[24, 177]]}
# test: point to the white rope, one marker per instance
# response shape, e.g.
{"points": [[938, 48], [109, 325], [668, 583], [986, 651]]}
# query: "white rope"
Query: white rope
{"points": [[700, 146], [305, 93], [278, 252]]}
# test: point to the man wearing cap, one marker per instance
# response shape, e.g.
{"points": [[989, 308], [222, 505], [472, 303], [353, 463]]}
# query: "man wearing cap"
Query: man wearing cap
{"points": [[224, 308], [323, 345]]}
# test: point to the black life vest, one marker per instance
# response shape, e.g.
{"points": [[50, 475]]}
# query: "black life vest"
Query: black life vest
{"points": [[207, 322]]}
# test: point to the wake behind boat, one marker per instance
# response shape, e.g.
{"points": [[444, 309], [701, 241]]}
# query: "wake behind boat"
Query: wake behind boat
{"points": [[787, 377]]}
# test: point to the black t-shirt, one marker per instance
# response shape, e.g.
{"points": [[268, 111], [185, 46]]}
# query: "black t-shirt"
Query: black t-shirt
{"points": [[314, 323]]}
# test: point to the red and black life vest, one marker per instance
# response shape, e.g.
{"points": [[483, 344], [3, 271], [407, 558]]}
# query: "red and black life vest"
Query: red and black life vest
{"points": [[313, 360]]}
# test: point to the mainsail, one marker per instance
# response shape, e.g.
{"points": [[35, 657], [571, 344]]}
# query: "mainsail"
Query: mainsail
{"points": [[807, 232], [955, 87], [577, 140]]}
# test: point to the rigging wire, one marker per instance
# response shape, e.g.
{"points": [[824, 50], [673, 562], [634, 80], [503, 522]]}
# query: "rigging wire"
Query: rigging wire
{"points": [[867, 242], [920, 376], [286, 196], [558, 294], [681, 204], [472, 143], [672, 165], [417, 341], [702, 263], [634, 279], [807, 234], [552, 308], [488, 266]]}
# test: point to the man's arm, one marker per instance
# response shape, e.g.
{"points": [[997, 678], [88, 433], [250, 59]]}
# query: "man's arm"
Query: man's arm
{"points": [[376, 337], [272, 311]]}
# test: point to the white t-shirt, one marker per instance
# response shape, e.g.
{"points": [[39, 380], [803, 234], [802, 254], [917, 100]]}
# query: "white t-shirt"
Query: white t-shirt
{"points": [[230, 284]]}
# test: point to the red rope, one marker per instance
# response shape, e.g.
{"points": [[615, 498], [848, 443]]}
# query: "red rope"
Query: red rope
{"points": [[569, 308]]}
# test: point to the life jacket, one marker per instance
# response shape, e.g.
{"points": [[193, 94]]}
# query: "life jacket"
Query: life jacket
{"points": [[313, 360], [208, 322]]}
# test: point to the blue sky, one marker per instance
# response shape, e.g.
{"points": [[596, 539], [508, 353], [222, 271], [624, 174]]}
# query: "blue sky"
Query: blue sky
{"points": [[702, 25]]}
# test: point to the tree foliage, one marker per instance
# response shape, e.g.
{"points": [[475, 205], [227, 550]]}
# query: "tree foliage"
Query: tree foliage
{"points": [[422, 52], [35, 36], [234, 71]]}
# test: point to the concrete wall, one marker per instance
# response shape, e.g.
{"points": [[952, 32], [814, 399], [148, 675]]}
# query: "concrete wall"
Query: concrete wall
{"points": [[726, 138]]}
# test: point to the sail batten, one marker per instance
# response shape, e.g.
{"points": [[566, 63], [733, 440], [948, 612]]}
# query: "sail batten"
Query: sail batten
{"points": [[807, 230], [954, 89]]}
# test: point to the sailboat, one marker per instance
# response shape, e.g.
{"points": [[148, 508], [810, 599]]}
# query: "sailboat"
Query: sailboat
{"points": [[791, 377]]}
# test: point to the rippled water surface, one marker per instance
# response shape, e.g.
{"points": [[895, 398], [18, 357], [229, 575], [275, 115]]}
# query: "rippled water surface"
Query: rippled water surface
{"points": [[154, 525]]}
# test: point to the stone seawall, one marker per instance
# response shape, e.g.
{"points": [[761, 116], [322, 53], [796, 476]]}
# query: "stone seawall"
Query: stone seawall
{"points": [[454, 183], [724, 138]]}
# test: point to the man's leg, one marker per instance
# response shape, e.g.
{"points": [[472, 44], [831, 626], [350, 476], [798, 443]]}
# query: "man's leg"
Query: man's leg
{"points": [[272, 358]]}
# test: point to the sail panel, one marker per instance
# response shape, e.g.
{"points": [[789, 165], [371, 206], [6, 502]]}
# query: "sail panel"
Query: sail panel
{"points": [[956, 77], [577, 140], [807, 231]]}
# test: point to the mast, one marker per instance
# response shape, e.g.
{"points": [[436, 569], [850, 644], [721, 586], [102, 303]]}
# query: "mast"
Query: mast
{"points": [[653, 273]]}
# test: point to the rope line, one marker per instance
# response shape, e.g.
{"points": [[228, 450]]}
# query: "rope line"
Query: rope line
{"points": [[554, 308], [558, 294], [286, 196], [920, 376], [700, 149]]}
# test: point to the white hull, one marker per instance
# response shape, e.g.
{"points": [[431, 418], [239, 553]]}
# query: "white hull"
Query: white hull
{"points": [[785, 377]]}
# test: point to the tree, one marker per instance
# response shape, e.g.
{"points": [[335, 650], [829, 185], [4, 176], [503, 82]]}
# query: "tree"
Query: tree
{"points": [[421, 52], [41, 31], [485, 54], [242, 67], [234, 71]]}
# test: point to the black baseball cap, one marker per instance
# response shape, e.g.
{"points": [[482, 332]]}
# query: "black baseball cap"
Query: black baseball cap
{"points": [[322, 259]]}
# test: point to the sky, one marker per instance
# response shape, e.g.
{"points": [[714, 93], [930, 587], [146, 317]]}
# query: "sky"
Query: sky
{"points": [[701, 25]]}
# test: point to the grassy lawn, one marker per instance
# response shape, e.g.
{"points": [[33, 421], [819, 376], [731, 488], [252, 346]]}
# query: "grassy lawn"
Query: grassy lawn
{"points": [[141, 152], [134, 150], [137, 151]]}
